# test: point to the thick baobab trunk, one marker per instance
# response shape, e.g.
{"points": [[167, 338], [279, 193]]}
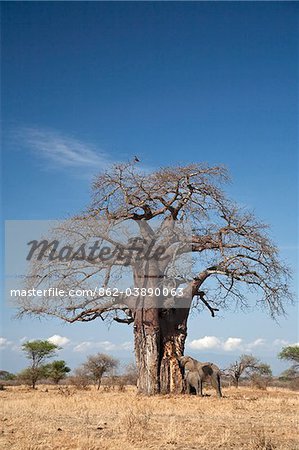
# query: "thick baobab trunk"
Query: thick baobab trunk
{"points": [[173, 326], [159, 340], [147, 350]]}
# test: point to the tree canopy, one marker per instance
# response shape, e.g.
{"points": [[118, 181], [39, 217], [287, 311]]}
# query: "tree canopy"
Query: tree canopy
{"points": [[232, 251], [57, 370], [37, 352], [247, 365], [173, 231], [290, 353], [97, 365]]}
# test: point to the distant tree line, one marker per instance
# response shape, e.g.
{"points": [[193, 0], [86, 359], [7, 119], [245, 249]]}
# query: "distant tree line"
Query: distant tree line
{"points": [[39, 352]]}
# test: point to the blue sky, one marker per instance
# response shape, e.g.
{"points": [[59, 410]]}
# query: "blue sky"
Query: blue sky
{"points": [[85, 84]]}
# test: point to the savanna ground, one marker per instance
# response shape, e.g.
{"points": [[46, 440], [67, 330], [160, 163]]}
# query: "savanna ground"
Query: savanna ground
{"points": [[65, 418]]}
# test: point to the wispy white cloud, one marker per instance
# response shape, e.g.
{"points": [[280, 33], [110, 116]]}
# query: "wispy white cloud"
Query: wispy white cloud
{"points": [[63, 151], [257, 343], [126, 346], [107, 346], [63, 341], [206, 342], [227, 345], [17, 345], [232, 344], [280, 342], [4, 343], [212, 342], [58, 340]]}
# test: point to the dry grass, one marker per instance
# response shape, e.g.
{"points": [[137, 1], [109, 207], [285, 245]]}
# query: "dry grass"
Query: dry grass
{"points": [[67, 418]]}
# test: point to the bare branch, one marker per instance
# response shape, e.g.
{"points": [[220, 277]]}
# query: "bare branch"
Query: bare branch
{"points": [[229, 245]]}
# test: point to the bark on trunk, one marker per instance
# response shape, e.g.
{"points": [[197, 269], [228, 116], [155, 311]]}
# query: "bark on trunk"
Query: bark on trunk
{"points": [[147, 350], [160, 336], [173, 336]]}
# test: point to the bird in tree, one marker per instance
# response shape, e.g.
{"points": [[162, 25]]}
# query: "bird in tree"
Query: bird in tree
{"points": [[178, 242]]}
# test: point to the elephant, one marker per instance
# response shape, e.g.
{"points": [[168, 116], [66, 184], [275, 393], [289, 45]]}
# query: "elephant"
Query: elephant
{"points": [[197, 372], [193, 380]]}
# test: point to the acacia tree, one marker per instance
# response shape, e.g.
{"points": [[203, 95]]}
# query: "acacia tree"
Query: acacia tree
{"points": [[234, 261], [6, 376], [290, 353], [57, 370], [37, 352], [247, 365], [97, 365]]}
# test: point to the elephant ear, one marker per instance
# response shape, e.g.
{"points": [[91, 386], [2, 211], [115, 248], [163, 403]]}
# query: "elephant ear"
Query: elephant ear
{"points": [[207, 369], [183, 360]]}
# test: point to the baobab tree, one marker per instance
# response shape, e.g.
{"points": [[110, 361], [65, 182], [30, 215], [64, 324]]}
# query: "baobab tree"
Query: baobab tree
{"points": [[171, 214]]}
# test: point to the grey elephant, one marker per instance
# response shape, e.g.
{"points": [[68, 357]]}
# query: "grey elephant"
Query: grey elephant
{"points": [[193, 380], [196, 372]]}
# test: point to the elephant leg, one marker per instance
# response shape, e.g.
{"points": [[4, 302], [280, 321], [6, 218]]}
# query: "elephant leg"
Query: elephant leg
{"points": [[219, 386], [184, 386], [214, 383], [188, 387], [215, 380], [200, 387]]}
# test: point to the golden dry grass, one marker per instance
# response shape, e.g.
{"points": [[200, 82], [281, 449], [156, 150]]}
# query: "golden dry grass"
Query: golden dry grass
{"points": [[89, 420]]}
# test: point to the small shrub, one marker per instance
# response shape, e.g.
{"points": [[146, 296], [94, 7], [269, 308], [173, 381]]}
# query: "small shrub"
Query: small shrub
{"points": [[115, 383], [80, 379], [79, 383], [136, 424], [131, 374], [107, 388], [121, 386], [261, 442], [259, 382], [294, 384], [65, 391]]}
